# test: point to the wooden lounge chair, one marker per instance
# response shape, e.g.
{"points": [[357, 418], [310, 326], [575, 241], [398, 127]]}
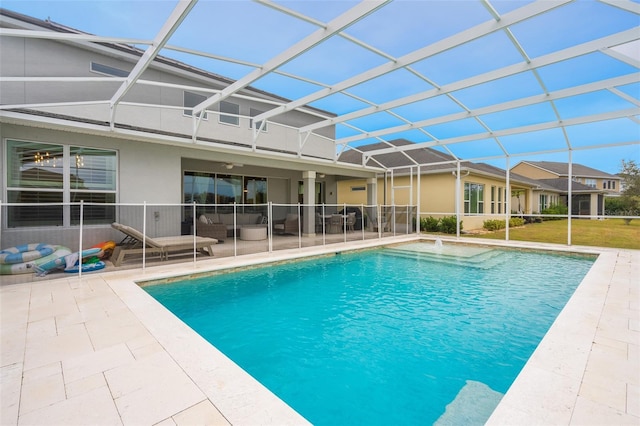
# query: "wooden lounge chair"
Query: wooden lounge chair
{"points": [[133, 244]]}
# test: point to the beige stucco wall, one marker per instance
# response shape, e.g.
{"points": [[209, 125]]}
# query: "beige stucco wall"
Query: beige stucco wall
{"points": [[437, 195], [532, 172]]}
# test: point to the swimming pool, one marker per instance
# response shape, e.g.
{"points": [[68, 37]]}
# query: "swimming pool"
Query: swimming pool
{"points": [[384, 336]]}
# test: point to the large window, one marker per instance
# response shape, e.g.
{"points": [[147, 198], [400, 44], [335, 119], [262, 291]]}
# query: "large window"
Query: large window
{"points": [[473, 198], [60, 174], [232, 111], [211, 188], [590, 182], [255, 190]]}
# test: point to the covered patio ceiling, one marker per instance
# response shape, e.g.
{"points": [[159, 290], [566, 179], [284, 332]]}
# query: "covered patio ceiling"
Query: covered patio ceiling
{"points": [[478, 80]]}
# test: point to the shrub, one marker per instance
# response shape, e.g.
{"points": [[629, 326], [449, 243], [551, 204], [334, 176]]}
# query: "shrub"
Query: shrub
{"points": [[446, 225], [429, 224], [493, 224], [516, 221], [555, 209], [496, 225]]}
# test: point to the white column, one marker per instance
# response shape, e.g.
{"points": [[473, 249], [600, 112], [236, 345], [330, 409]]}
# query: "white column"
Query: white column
{"points": [[309, 214]]}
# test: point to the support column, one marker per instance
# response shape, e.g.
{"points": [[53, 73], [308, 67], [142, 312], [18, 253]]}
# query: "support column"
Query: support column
{"points": [[308, 199], [372, 191], [372, 200]]}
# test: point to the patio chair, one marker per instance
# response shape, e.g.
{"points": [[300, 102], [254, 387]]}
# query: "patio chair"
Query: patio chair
{"points": [[289, 225], [335, 224], [351, 221], [133, 244]]}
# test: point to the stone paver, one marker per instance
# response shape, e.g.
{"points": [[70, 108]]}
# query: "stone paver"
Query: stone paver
{"points": [[99, 350]]}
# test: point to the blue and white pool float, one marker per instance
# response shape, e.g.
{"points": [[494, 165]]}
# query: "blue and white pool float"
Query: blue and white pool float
{"points": [[86, 267], [25, 253], [29, 266], [61, 261]]}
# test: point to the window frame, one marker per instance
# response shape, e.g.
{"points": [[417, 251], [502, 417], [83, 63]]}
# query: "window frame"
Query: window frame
{"points": [[188, 109], [255, 112], [469, 188], [234, 117], [66, 211], [108, 70]]}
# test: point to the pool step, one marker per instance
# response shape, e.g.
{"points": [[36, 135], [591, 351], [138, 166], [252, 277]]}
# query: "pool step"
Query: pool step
{"points": [[475, 257], [472, 406]]}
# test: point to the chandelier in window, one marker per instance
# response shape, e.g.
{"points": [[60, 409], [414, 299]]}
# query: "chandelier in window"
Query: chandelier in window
{"points": [[45, 159]]}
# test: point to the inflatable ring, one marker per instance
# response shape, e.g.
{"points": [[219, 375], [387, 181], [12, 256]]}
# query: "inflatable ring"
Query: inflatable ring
{"points": [[30, 267], [25, 253]]}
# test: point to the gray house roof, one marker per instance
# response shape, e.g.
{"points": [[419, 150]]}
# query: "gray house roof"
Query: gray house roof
{"points": [[562, 185], [426, 157], [562, 169]]}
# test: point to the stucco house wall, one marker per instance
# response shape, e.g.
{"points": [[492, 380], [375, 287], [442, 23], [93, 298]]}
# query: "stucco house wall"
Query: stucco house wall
{"points": [[532, 172], [437, 195]]}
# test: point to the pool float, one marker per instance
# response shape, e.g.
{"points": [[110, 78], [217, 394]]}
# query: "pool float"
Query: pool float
{"points": [[86, 267], [29, 267], [63, 261], [25, 253], [106, 248]]}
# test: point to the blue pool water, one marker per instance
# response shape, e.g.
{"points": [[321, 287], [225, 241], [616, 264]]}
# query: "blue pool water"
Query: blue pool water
{"points": [[384, 336]]}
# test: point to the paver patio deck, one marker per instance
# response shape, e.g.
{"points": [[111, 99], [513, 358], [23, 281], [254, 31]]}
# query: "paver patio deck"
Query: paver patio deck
{"points": [[99, 350]]}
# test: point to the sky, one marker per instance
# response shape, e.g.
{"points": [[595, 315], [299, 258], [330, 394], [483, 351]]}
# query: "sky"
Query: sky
{"points": [[254, 33]]}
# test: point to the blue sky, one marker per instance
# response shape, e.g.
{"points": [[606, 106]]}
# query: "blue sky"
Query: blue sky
{"points": [[251, 32]]}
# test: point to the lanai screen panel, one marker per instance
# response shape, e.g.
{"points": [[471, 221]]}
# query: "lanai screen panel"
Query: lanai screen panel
{"points": [[476, 79]]}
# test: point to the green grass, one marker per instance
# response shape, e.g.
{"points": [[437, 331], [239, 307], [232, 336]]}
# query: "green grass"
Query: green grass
{"points": [[612, 233]]}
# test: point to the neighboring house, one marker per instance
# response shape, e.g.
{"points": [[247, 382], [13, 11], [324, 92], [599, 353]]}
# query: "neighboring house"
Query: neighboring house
{"points": [[482, 191], [589, 186], [64, 141]]}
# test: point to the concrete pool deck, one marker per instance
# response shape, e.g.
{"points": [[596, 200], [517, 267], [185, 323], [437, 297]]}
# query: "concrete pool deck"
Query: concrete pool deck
{"points": [[99, 350]]}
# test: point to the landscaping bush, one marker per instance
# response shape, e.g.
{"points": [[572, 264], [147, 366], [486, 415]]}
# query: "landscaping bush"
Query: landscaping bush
{"points": [[516, 221], [429, 224], [496, 224], [493, 224], [555, 209], [446, 225]]}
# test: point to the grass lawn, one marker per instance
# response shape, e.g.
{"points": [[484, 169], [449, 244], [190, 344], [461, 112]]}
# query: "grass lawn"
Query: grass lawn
{"points": [[602, 233]]}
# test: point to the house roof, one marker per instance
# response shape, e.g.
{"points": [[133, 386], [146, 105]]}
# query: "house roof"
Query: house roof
{"points": [[562, 169], [562, 185], [513, 78], [431, 161]]}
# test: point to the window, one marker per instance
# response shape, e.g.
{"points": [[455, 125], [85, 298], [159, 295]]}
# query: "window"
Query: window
{"points": [[544, 202], [106, 69], [493, 199], [229, 113], [358, 188], [255, 190], [211, 188], [191, 99], [499, 200], [590, 182], [56, 174], [473, 198], [253, 113]]}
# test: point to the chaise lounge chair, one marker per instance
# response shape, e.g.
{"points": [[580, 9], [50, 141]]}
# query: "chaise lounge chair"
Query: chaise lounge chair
{"points": [[133, 244]]}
